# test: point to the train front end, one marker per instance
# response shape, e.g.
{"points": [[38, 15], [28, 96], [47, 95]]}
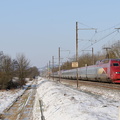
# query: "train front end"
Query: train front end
{"points": [[115, 70]]}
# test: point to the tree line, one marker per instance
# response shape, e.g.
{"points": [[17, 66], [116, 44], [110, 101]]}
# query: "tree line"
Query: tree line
{"points": [[13, 72]]}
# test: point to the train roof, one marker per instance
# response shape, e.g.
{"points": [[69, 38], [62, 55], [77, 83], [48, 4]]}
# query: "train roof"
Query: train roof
{"points": [[106, 61], [118, 59]]}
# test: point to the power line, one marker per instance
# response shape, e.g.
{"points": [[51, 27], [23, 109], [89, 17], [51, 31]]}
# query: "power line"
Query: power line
{"points": [[108, 28], [101, 39], [84, 24], [97, 33]]}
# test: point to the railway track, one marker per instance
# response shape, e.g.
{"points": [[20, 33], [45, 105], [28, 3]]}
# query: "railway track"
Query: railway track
{"points": [[22, 107], [92, 84]]}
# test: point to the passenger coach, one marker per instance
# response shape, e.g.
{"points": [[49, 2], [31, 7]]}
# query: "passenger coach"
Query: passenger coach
{"points": [[107, 70]]}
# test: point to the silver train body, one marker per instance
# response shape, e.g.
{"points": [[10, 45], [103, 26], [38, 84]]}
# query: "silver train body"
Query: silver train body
{"points": [[92, 73]]}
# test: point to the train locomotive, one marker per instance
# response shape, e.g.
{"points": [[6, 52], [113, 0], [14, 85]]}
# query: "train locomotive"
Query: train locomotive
{"points": [[107, 70]]}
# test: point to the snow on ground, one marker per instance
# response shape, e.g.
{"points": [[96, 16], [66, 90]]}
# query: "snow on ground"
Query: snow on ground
{"points": [[106, 93], [7, 97], [60, 102], [65, 103]]}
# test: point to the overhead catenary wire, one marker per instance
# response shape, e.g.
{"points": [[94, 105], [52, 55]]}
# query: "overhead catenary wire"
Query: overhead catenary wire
{"points": [[97, 32], [98, 36], [84, 24], [101, 39], [88, 28]]}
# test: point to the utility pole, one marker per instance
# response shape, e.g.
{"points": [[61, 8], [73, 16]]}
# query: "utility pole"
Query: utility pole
{"points": [[77, 45], [49, 70], [77, 51], [107, 52], [53, 66], [93, 55], [1, 59], [59, 63]]}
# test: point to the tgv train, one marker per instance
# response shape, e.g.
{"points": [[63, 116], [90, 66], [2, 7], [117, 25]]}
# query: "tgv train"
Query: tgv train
{"points": [[107, 70]]}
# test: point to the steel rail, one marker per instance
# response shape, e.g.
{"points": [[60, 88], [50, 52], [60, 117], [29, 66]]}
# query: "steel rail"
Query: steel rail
{"points": [[97, 84]]}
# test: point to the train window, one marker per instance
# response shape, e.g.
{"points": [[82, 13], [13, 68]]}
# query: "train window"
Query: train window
{"points": [[115, 64]]}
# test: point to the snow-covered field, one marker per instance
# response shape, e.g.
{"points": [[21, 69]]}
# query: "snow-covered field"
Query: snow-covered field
{"points": [[65, 103]]}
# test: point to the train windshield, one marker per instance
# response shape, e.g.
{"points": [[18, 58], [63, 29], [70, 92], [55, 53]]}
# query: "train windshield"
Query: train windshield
{"points": [[115, 64]]}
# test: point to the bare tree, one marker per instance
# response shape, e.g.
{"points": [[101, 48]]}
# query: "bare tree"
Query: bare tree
{"points": [[33, 71], [23, 66], [6, 71]]}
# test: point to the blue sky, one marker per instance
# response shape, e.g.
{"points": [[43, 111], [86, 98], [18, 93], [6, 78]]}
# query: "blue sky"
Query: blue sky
{"points": [[37, 28]]}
